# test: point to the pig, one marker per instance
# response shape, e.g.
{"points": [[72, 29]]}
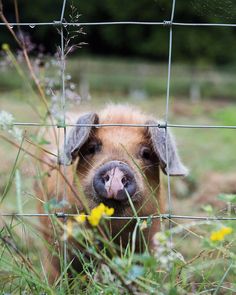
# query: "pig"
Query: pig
{"points": [[116, 166]]}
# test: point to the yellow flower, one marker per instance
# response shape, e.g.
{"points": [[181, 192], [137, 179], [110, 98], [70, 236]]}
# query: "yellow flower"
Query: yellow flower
{"points": [[97, 213], [100, 208], [94, 220], [227, 230], [81, 218], [69, 227], [5, 47], [217, 236], [109, 211], [220, 234]]}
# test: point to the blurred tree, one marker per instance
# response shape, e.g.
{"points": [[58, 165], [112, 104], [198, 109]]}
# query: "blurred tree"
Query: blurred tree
{"points": [[201, 44]]}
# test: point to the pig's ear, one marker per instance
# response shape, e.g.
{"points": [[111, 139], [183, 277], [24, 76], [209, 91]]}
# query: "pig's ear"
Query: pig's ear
{"points": [[77, 136], [158, 140]]}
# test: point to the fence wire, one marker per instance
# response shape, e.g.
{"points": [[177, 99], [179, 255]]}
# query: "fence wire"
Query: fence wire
{"points": [[167, 114], [63, 111], [169, 24], [109, 23], [63, 215], [159, 125]]}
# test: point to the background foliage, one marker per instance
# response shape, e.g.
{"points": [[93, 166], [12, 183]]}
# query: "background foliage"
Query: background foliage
{"points": [[199, 45]]}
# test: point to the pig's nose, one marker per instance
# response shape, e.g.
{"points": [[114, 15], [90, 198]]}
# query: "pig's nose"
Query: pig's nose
{"points": [[114, 180]]}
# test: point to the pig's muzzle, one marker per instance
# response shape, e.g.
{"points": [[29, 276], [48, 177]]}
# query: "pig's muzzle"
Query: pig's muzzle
{"points": [[114, 180]]}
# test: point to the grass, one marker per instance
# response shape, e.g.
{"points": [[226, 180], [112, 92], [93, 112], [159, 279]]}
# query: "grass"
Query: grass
{"points": [[207, 267], [211, 269]]}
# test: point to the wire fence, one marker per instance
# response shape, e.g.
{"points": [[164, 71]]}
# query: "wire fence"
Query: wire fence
{"points": [[148, 23], [160, 216], [169, 24], [159, 125]]}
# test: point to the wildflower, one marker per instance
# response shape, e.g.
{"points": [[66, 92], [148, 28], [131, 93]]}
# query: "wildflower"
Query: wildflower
{"points": [[109, 211], [69, 227], [5, 47], [227, 230], [6, 124], [97, 213], [164, 252], [6, 120], [81, 218], [220, 234], [217, 236]]}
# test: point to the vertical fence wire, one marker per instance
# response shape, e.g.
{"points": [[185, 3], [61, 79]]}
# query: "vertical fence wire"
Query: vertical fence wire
{"points": [[63, 114], [167, 114]]}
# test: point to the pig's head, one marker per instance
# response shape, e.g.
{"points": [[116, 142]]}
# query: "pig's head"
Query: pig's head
{"points": [[116, 165]]}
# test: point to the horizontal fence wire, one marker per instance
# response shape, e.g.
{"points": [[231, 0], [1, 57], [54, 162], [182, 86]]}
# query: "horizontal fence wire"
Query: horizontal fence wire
{"points": [[143, 23], [159, 125], [159, 216]]}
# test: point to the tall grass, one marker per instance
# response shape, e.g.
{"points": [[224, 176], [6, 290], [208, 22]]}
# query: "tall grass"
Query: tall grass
{"points": [[211, 269]]}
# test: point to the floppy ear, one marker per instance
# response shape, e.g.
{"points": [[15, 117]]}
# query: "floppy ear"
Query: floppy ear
{"points": [[77, 136], [158, 138]]}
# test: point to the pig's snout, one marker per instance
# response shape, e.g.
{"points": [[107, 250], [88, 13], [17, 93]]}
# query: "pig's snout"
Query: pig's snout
{"points": [[114, 180]]}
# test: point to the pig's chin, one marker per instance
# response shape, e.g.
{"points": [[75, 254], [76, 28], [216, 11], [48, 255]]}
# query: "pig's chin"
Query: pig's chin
{"points": [[116, 204], [120, 206]]}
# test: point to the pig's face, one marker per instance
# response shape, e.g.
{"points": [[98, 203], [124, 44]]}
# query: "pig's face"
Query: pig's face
{"points": [[113, 165], [119, 165]]}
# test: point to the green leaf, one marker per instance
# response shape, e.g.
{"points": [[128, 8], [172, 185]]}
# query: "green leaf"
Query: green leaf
{"points": [[147, 260], [173, 291], [228, 198], [207, 208]]}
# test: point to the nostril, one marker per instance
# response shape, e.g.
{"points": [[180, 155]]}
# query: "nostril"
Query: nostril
{"points": [[105, 178], [125, 181]]}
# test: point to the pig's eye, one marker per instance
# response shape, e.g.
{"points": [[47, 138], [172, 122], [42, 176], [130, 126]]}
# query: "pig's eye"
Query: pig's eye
{"points": [[146, 153], [92, 148]]}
